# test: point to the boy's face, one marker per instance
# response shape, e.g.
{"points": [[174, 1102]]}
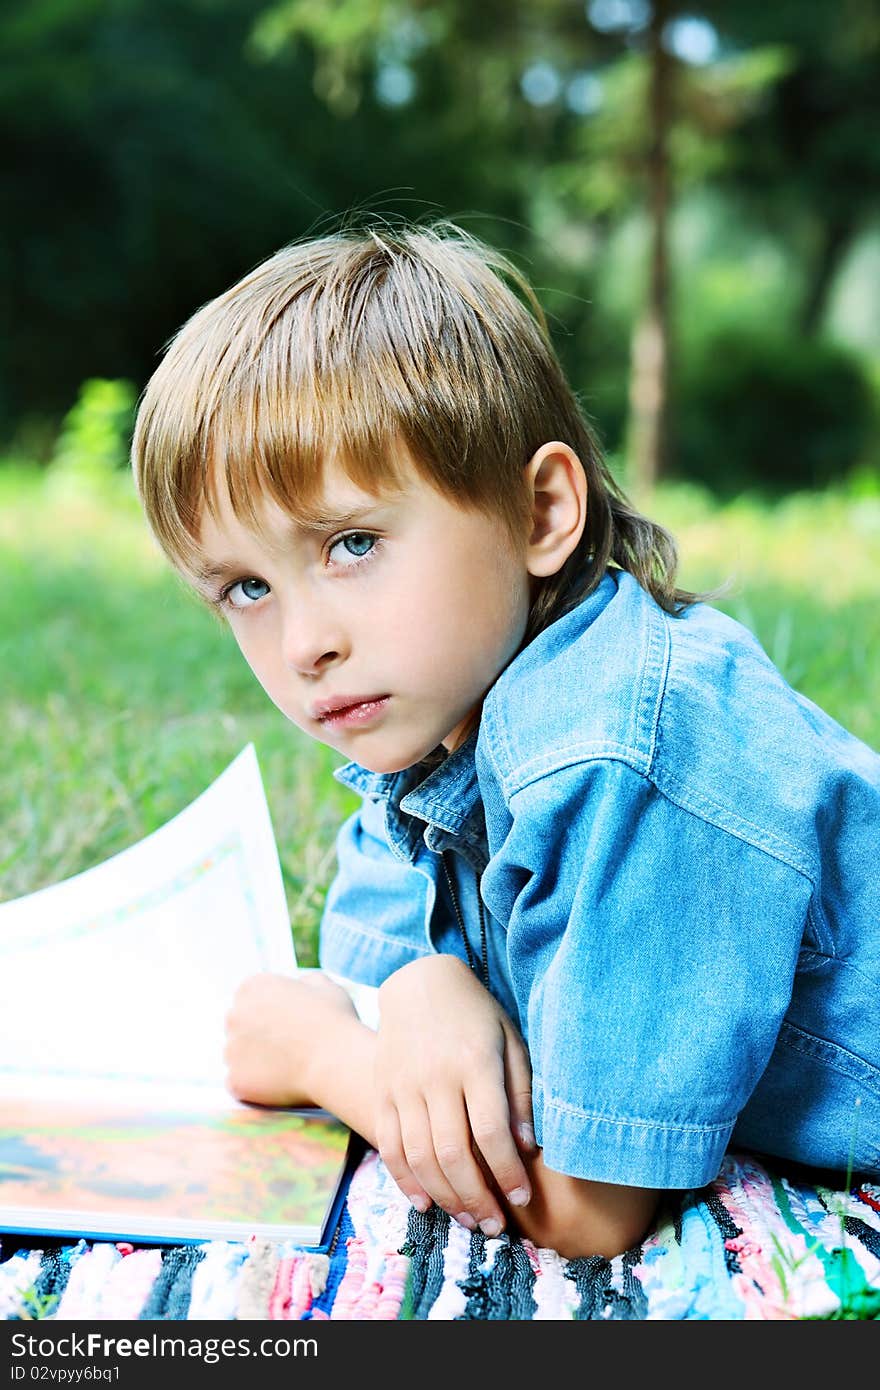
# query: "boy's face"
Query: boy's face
{"points": [[379, 630]]}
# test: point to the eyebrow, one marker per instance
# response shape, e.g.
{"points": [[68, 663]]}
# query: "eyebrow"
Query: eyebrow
{"points": [[314, 524], [207, 574], [317, 522]]}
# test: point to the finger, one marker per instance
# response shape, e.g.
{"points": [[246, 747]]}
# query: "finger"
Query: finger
{"points": [[518, 1085], [421, 1158], [490, 1123], [389, 1143], [472, 1201]]}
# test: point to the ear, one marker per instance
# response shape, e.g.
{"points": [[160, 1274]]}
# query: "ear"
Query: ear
{"points": [[558, 490]]}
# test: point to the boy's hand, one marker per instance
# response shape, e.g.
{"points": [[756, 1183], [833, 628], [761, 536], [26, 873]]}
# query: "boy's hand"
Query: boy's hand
{"points": [[453, 1088], [274, 1032]]}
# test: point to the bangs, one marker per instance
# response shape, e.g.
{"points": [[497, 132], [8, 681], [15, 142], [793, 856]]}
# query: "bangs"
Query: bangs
{"points": [[275, 442], [377, 353], [343, 350]]}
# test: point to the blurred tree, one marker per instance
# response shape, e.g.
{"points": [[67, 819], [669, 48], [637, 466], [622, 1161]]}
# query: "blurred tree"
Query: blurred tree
{"points": [[540, 68], [768, 412], [805, 161], [665, 109], [156, 149], [130, 130], [652, 347], [95, 433], [152, 156]]}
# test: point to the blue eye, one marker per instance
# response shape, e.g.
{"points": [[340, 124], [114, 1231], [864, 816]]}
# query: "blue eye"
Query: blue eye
{"points": [[245, 592], [254, 589], [358, 543], [355, 546]]}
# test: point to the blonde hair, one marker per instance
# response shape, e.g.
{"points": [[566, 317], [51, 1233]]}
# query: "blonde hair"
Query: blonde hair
{"points": [[343, 346]]}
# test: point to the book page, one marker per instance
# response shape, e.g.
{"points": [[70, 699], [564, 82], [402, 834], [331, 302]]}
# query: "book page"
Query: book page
{"points": [[123, 973], [80, 1167]]}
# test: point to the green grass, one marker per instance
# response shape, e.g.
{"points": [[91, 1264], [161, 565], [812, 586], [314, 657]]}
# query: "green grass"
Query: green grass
{"points": [[122, 697]]}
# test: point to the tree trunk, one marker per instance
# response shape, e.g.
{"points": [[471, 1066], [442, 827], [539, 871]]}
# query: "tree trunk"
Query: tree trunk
{"points": [[649, 368], [837, 235]]}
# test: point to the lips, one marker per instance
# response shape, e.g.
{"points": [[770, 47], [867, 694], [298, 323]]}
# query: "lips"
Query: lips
{"points": [[337, 706]]}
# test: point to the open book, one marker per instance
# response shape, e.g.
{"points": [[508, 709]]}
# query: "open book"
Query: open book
{"points": [[114, 986]]}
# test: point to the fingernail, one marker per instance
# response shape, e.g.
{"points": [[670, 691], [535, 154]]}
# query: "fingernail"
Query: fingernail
{"points": [[465, 1219], [490, 1227], [518, 1197], [527, 1135], [420, 1203]]}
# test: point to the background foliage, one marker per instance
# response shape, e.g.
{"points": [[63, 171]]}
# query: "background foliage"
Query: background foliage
{"points": [[155, 150]]}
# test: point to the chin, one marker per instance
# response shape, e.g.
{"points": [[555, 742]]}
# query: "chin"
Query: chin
{"points": [[388, 761], [387, 765]]}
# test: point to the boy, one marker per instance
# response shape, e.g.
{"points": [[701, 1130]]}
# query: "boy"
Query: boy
{"points": [[578, 835]]}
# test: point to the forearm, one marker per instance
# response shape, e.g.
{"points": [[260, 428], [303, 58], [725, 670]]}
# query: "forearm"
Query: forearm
{"points": [[577, 1217], [341, 1075], [570, 1215]]}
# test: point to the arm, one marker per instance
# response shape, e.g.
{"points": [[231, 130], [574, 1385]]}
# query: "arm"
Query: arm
{"points": [[298, 1041], [652, 954], [577, 1217], [453, 1086], [453, 1093]]}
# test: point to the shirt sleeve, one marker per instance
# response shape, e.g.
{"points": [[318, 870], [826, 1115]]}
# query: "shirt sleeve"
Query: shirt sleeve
{"points": [[652, 956], [378, 906]]}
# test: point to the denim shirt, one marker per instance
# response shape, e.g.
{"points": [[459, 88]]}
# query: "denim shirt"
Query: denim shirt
{"points": [[679, 858]]}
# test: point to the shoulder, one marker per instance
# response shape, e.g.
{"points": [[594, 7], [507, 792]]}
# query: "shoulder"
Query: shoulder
{"points": [[590, 686], [741, 747], [691, 704]]}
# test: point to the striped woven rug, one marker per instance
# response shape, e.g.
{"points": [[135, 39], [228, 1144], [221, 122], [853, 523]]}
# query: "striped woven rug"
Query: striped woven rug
{"points": [[752, 1245]]}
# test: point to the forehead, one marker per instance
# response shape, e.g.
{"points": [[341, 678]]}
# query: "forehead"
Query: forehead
{"points": [[337, 501]]}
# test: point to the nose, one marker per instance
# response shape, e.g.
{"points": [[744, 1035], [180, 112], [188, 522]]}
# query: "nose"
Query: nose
{"points": [[311, 640]]}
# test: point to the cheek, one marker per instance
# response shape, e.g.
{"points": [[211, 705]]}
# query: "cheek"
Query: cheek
{"points": [[257, 653], [403, 611], [266, 665], [493, 602], [470, 614]]}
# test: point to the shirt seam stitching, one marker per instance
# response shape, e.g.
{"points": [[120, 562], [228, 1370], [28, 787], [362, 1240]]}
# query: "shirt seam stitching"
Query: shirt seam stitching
{"points": [[791, 862], [567, 1108], [841, 1059], [660, 679], [352, 925], [739, 834]]}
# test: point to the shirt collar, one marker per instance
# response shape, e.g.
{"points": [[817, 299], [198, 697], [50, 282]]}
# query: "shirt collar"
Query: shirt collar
{"points": [[425, 796]]}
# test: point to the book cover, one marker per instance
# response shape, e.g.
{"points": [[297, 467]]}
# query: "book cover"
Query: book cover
{"points": [[172, 1175], [114, 987]]}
